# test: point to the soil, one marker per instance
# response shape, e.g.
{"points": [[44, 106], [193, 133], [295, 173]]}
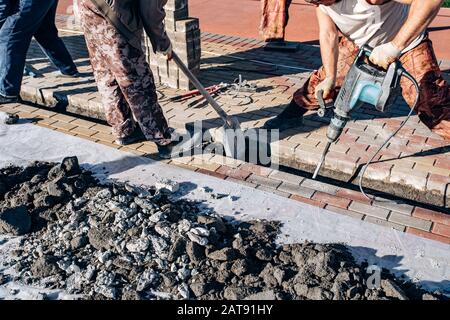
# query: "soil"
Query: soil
{"points": [[117, 241]]}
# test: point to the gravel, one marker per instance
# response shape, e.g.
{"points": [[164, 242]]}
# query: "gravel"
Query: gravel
{"points": [[117, 241]]}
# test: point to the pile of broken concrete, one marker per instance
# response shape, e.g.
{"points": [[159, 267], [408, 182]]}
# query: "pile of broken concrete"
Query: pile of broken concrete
{"points": [[117, 241]]}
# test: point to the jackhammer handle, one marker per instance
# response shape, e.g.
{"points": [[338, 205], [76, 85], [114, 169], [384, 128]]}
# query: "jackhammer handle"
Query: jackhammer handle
{"points": [[202, 90], [367, 50], [320, 99]]}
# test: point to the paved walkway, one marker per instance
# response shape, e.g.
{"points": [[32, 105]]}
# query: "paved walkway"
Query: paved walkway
{"points": [[414, 166], [414, 219]]}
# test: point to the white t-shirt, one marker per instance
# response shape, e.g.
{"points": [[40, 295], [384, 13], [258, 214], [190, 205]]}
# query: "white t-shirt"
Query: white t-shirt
{"points": [[365, 23]]}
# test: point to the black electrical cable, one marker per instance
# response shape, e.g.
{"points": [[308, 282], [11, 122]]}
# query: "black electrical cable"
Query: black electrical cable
{"points": [[416, 85]]}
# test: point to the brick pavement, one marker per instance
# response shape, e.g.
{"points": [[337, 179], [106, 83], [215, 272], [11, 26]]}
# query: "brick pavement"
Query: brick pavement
{"points": [[413, 166], [408, 217]]}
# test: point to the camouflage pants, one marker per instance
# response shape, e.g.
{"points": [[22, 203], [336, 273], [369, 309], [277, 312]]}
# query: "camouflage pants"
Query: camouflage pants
{"points": [[433, 107], [124, 79]]}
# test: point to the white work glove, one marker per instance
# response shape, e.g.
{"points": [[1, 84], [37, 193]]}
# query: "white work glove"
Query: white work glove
{"points": [[384, 55], [327, 86]]}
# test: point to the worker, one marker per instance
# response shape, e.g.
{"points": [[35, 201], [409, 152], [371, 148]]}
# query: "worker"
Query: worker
{"points": [[275, 16], [114, 33], [396, 30], [20, 20]]}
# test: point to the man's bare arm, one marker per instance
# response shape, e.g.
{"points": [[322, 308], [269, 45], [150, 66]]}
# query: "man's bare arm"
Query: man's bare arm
{"points": [[421, 14], [329, 41]]}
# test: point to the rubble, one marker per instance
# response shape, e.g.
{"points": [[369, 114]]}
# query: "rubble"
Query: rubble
{"points": [[10, 118], [15, 221], [117, 241]]}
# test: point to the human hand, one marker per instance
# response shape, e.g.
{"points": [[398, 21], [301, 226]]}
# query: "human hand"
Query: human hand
{"points": [[327, 86], [384, 55]]}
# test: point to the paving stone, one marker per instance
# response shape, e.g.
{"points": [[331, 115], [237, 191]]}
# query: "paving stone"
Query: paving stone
{"points": [[437, 183], [198, 163], [256, 169], [212, 174], [63, 118], [394, 206], [83, 131], [441, 229], [331, 200], [435, 216], [308, 201], [241, 182], [428, 235], [133, 151], [25, 108], [263, 181], [353, 195], [349, 213], [10, 107], [385, 223], [233, 172], [296, 189], [46, 121], [109, 144], [410, 221], [101, 128], [416, 179], [83, 123], [369, 210], [44, 113], [63, 126], [148, 148], [184, 166], [320, 186], [286, 177], [274, 191], [103, 137]]}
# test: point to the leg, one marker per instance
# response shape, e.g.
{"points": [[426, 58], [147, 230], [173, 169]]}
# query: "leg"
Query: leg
{"points": [[118, 114], [138, 86], [5, 10], [131, 72], [274, 19], [305, 99], [47, 37], [15, 38], [433, 107]]}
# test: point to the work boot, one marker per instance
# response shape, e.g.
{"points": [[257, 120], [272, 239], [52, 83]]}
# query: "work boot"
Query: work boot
{"points": [[166, 151], [290, 117], [6, 100], [166, 146], [68, 75], [136, 136]]}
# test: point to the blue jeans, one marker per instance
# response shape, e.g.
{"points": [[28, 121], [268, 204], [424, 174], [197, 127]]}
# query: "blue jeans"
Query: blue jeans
{"points": [[5, 10], [20, 20]]}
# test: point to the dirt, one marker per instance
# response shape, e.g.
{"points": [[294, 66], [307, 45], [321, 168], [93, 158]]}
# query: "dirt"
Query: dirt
{"points": [[117, 241]]}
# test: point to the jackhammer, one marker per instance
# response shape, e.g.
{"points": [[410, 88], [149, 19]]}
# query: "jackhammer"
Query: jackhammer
{"points": [[364, 84]]}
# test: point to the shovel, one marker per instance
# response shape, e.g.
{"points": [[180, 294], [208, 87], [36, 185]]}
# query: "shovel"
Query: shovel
{"points": [[230, 134]]}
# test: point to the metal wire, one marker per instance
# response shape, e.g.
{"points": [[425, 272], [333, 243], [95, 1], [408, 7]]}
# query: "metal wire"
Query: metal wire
{"points": [[416, 85]]}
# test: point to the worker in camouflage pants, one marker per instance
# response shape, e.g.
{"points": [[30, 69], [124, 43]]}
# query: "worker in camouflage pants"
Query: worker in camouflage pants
{"points": [[123, 77]]}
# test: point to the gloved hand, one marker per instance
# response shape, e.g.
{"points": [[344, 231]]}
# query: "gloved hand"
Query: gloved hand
{"points": [[168, 52], [327, 86], [384, 55]]}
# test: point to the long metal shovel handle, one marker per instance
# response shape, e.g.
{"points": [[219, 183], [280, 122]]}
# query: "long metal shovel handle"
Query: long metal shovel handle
{"points": [[228, 121]]}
